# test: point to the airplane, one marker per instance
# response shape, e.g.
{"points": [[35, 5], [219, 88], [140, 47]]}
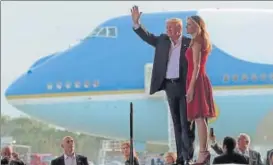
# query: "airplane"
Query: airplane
{"points": [[88, 88]]}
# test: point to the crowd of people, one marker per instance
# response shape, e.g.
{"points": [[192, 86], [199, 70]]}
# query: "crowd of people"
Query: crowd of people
{"points": [[231, 151]]}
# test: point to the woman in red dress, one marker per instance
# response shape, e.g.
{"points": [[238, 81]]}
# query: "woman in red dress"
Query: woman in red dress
{"points": [[200, 104]]}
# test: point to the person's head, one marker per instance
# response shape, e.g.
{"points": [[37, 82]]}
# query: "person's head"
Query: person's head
{"points": [[125, 149], [174, 28], [15, 156], [229, 144], [6, 152], [170, 158], [196, 27], [68, 145], [243, 141]]}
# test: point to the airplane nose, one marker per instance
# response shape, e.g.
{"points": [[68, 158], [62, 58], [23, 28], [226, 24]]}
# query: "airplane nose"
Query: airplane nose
{"points": [[28, 82], [21, 86]]}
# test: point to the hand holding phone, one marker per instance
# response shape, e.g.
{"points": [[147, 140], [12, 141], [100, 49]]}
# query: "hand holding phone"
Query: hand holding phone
{"points": [[211, 135]]}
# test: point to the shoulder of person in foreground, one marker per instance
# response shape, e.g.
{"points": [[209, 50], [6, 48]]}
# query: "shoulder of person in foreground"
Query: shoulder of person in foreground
{"points": [[136, 161], [84, 159], [55, 161], [242, 159], [217, 159], [17, 162]]}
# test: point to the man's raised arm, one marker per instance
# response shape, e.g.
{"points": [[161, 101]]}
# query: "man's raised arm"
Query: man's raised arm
{"points": [[140, 30]]}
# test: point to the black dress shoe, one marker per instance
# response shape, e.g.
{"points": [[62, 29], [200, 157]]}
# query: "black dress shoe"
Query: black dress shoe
{"points": [[178, 163]]}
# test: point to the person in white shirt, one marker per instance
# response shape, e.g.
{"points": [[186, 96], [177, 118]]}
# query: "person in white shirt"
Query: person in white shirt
{"points": [[243, 143], [69, 157]]}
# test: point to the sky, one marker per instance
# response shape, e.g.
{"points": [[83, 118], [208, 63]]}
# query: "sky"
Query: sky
{"points": [[31, 30]]}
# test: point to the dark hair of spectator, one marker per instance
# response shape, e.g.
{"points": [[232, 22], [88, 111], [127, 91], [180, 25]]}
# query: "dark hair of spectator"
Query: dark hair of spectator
{"points": [[230, 143]]}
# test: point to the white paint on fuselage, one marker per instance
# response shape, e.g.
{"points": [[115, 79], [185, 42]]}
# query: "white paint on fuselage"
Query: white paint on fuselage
{"points": [[245, 34], [50, 100]]}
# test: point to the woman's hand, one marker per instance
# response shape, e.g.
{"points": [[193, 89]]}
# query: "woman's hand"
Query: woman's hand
{"points": [[189, 95]]}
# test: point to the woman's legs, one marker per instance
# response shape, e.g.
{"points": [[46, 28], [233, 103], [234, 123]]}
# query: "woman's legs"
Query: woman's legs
{"points": [[202, 128]]}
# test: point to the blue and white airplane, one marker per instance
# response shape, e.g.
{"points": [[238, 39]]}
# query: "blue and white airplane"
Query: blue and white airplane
{"points": [[88, 87]]}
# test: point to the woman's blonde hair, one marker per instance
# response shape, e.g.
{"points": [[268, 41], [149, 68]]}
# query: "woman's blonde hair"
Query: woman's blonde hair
{"points": [[202, 35]]}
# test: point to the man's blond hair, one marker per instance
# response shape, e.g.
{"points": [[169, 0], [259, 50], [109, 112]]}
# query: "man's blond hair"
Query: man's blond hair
{"points": [[175, 20]]}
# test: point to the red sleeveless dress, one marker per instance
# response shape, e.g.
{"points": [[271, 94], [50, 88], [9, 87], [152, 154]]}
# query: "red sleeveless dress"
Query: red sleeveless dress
{"points": [[202, 104]]}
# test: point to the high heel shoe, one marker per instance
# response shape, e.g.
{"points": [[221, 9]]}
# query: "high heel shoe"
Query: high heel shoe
{"points": [[206, 160]]}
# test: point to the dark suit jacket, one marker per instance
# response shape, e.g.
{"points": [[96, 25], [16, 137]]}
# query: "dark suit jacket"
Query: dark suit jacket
{"points": [[162, 46], [81, 160], [234, 157], [254, 156]]}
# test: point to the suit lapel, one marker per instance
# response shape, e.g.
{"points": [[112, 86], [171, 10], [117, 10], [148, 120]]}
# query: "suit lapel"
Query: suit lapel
{"points": [[167, 47], [184, 46], [78, 160], [62, 160]]}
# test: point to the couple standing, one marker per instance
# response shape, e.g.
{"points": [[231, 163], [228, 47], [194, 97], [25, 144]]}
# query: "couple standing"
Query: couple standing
{"points": [[179, 69]]}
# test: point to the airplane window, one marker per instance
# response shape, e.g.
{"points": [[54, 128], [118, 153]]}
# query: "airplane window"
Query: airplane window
{"points": [[103, 32], [86, 84], [112, 31], [59, 85], [95, 84], [77, 84], [49, 86], [244, 77], [254, 77], [235, 77], [226, 78], [95, 31], [68, 85], [263, 76]]}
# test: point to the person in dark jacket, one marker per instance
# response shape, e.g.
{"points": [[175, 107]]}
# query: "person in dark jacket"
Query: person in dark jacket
{"points": [[229, 155], [125, 149]]}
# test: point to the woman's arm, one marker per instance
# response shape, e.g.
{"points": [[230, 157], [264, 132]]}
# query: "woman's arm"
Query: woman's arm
{"points": [[196, 51]]}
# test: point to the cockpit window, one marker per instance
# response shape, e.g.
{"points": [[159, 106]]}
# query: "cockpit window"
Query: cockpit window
{"points": [[112, 31], [102, 33], [107, 32], [95, 31]]}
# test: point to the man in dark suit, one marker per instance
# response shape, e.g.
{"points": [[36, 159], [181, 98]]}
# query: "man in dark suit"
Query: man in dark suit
{"points": [[169, 74], [69, 157], [229, 155], [243, 143]]}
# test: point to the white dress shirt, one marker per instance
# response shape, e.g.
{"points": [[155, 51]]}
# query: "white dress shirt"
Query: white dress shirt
{"points": [[70, 160]]}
